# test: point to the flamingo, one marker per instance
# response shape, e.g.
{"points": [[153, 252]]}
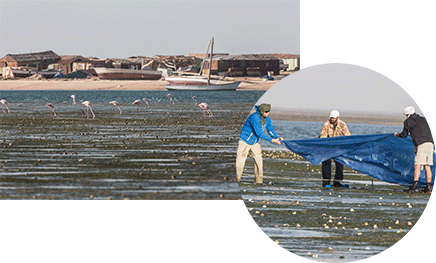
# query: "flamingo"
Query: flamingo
{"points": [[74, 99], [51, 106], [116, 104], [88, 107], [206, 109], [137, 103], [146, 102], [5, 104], [195, 100], [170, 99]]}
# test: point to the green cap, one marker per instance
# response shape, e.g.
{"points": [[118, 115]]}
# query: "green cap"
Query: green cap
{"points": [[264, 107]]}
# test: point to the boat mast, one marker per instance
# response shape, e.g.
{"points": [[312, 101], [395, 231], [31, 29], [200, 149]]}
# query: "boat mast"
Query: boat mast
{"points": [[204, 59], [210, 62]]}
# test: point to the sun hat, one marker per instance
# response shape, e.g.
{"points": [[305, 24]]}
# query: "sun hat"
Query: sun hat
{"points": [[409, 110], [334, 114]]}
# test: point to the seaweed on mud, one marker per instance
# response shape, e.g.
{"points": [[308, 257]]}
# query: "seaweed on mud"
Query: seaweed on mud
{"points": [[161, 153], [347, 223]]}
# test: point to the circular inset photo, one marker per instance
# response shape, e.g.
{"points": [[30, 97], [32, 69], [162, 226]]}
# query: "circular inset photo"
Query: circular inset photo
{"points": [[335, 162]]}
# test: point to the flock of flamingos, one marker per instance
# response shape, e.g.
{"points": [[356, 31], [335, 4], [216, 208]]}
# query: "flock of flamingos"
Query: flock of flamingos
{"points": [[204, 106]]}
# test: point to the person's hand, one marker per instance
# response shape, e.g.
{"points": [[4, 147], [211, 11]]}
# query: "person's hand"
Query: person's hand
{"points": [[396, 134], [276, 141]]}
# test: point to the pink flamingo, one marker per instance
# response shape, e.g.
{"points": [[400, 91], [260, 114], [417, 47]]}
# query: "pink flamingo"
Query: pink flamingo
{"points": [[195, 100], [51, 106], [116, 104], [88, 107], [170, 99], [146, 102], [206, 109], [5, 104], [137, 103], [74, 99]]}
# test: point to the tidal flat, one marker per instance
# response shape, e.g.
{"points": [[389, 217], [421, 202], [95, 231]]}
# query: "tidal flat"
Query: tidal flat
{"points": [[161, 152], [329, 225]]}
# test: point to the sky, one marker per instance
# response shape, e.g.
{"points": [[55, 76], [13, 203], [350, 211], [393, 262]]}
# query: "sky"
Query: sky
{"points": [[120, 29], [344, 87]]}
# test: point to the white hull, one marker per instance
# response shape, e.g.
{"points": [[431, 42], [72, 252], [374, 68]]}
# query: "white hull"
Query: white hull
{"points": [[226, 86], [196, 80]]}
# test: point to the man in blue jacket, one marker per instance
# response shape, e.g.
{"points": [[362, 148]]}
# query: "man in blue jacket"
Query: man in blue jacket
{"points": [[252, 131]]}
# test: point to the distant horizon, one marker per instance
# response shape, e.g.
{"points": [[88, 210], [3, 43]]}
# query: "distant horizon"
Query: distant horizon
{"points": [[342, 112]]}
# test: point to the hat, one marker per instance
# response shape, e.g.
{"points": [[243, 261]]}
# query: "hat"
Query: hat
{"points": [[334, 114], [409, 110], [264, 107]]}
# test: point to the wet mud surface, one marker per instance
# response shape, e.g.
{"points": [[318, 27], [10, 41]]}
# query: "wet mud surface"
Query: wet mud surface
{"points": [[329, 225], [161, 152]]}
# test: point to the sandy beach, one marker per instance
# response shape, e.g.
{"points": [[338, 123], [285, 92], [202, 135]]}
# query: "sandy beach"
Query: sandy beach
{"points": [[247, 83]]}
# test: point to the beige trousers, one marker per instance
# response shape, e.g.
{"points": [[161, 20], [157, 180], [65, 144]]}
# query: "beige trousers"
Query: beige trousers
{"points": [[241, 156]]}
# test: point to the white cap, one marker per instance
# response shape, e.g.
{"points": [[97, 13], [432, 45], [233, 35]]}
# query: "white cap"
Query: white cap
{"points": [[409, 110], [334, 114]]}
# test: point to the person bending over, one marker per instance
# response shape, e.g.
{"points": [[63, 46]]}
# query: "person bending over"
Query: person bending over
{"points": [[419, 130], [252, 131]]}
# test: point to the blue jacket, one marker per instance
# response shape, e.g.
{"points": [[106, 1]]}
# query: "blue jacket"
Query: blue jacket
{"points": [[252, 130]]}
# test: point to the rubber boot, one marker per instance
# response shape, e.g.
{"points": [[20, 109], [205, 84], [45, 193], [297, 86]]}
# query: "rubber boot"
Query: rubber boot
{"points": [[413, 188], [339, 184], [427, 188]]}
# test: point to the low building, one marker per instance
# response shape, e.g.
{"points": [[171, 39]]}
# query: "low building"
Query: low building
{"points": [[35, 61], [289, 62], [69, 64], [243, 65]]}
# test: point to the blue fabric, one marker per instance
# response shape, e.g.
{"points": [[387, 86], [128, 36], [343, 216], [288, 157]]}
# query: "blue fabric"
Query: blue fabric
{"points": [[252, 130], [382, 156]]}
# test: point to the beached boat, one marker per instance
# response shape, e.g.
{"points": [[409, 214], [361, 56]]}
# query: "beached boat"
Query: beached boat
{"points": [[9, 72], [200, 82], [221, 86], [127, 74]]}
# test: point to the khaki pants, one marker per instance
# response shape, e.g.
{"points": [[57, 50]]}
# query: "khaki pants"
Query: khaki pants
{"points": [[241, 156]]}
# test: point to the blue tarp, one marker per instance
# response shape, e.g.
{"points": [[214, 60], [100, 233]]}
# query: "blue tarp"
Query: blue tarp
{"points": [[382, 156]]}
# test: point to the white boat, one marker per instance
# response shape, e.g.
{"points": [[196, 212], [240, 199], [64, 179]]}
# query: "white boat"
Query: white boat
{"points": [[127, 74], [200, 82], [190, 80], [221, 86]]}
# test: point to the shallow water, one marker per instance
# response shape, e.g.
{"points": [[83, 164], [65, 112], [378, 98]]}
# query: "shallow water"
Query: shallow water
{"points": [[328, 225], [59, 97], [161, 152]]}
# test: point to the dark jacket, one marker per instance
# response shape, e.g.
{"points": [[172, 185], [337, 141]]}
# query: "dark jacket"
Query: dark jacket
{"points": [[252, 130], [418, 128]]}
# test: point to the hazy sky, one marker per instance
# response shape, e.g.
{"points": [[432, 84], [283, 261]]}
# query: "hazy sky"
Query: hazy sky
{"points": [[344, 87], [120, 29]]}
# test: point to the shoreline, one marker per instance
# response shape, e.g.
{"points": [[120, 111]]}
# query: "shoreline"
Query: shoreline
{"points": [[322, 116], [247, 83]]}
